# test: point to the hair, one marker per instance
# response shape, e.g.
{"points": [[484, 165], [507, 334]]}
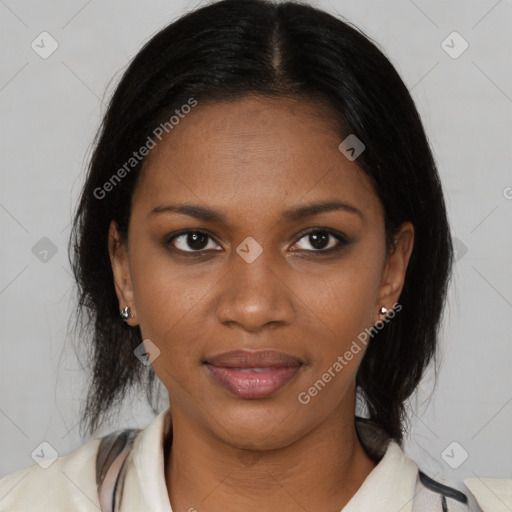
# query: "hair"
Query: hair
{"points": [[224, 51]]}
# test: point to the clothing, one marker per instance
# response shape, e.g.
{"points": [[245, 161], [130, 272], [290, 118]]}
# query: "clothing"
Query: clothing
{"points": [[126, 468]]}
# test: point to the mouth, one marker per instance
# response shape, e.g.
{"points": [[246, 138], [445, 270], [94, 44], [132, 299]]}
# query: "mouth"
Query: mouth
{"points": [[253, 375]]}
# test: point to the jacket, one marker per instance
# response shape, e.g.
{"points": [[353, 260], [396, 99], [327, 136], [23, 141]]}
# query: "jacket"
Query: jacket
{"points": [[124, 470]]}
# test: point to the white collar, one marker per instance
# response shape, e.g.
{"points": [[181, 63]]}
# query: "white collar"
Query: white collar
{"points": [[390, 487]]}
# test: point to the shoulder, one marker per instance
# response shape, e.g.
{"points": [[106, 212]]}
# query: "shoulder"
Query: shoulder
{"points": [[68, 483], [428, 495]]}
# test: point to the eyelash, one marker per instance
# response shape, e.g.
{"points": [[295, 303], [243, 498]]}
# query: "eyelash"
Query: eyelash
{"points": [[341, 238]]}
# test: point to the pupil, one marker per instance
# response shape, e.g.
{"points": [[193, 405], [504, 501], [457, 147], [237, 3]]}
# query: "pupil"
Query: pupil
{"points": [[318, 240], [196, 241]]}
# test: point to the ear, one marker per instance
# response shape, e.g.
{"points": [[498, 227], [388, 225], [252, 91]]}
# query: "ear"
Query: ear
{"points": [[119, 260], [393, 276]]}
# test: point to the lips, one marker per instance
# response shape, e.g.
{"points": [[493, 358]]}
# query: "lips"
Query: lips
{"points": [[253, 375], [259, 359]]}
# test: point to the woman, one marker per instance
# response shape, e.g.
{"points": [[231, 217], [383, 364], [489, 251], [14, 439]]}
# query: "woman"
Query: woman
{"points": [[263, 228]]}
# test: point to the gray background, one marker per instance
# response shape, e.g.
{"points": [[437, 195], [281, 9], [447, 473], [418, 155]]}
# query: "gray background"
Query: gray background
{"points": [[52, 107]]}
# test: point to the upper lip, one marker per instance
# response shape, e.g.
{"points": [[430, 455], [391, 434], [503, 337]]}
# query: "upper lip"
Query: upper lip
{"points": [[257, 359]]}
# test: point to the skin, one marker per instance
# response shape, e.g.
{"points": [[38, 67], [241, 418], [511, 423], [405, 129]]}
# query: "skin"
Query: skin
{"points": [[251, 159]]}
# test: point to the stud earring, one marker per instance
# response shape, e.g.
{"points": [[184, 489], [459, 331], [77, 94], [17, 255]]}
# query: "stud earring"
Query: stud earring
{"points": [[126, 313], [383, 310]]}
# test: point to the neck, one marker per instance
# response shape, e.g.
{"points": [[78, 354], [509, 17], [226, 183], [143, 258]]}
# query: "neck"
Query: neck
{"points": [[320, 471]]}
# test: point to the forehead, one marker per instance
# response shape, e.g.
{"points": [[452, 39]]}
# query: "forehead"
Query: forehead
{"points": [[251, 152]]}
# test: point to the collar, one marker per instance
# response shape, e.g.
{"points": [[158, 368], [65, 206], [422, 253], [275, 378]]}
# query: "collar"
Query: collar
{"points": [[390, 487]]}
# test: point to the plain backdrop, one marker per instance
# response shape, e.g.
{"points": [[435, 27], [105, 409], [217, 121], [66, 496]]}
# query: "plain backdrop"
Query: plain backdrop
{"points": [[51, 108]]}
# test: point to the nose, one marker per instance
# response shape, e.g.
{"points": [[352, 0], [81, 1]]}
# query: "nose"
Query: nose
{"points": [[255, 295]]}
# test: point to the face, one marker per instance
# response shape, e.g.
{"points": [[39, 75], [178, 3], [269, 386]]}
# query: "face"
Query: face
{"points": [[225, 252]]}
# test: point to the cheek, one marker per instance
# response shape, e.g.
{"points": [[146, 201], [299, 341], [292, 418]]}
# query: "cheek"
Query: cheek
{"points": [[339, 307], [341, 298], [167, 301]]}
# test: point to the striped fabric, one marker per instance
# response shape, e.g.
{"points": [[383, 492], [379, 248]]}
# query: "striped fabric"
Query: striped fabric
{"points": [[428, 496]]}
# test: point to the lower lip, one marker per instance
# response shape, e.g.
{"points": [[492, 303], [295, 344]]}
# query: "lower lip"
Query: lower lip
{"points": [[253, 384]]}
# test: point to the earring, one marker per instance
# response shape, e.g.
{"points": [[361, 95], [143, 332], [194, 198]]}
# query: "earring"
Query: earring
{"points": [[383, 310], [126, 313]]}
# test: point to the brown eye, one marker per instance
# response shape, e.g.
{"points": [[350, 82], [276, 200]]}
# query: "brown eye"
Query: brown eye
{"points": [[192, 241], [321, 240]]}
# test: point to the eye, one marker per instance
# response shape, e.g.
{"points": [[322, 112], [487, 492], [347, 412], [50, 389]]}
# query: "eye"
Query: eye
{"points": [[192, 241], [317, 240], [322, 240]]}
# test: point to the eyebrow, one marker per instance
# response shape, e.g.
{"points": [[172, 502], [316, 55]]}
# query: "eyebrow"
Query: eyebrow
{"points": [[292, 214]]}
